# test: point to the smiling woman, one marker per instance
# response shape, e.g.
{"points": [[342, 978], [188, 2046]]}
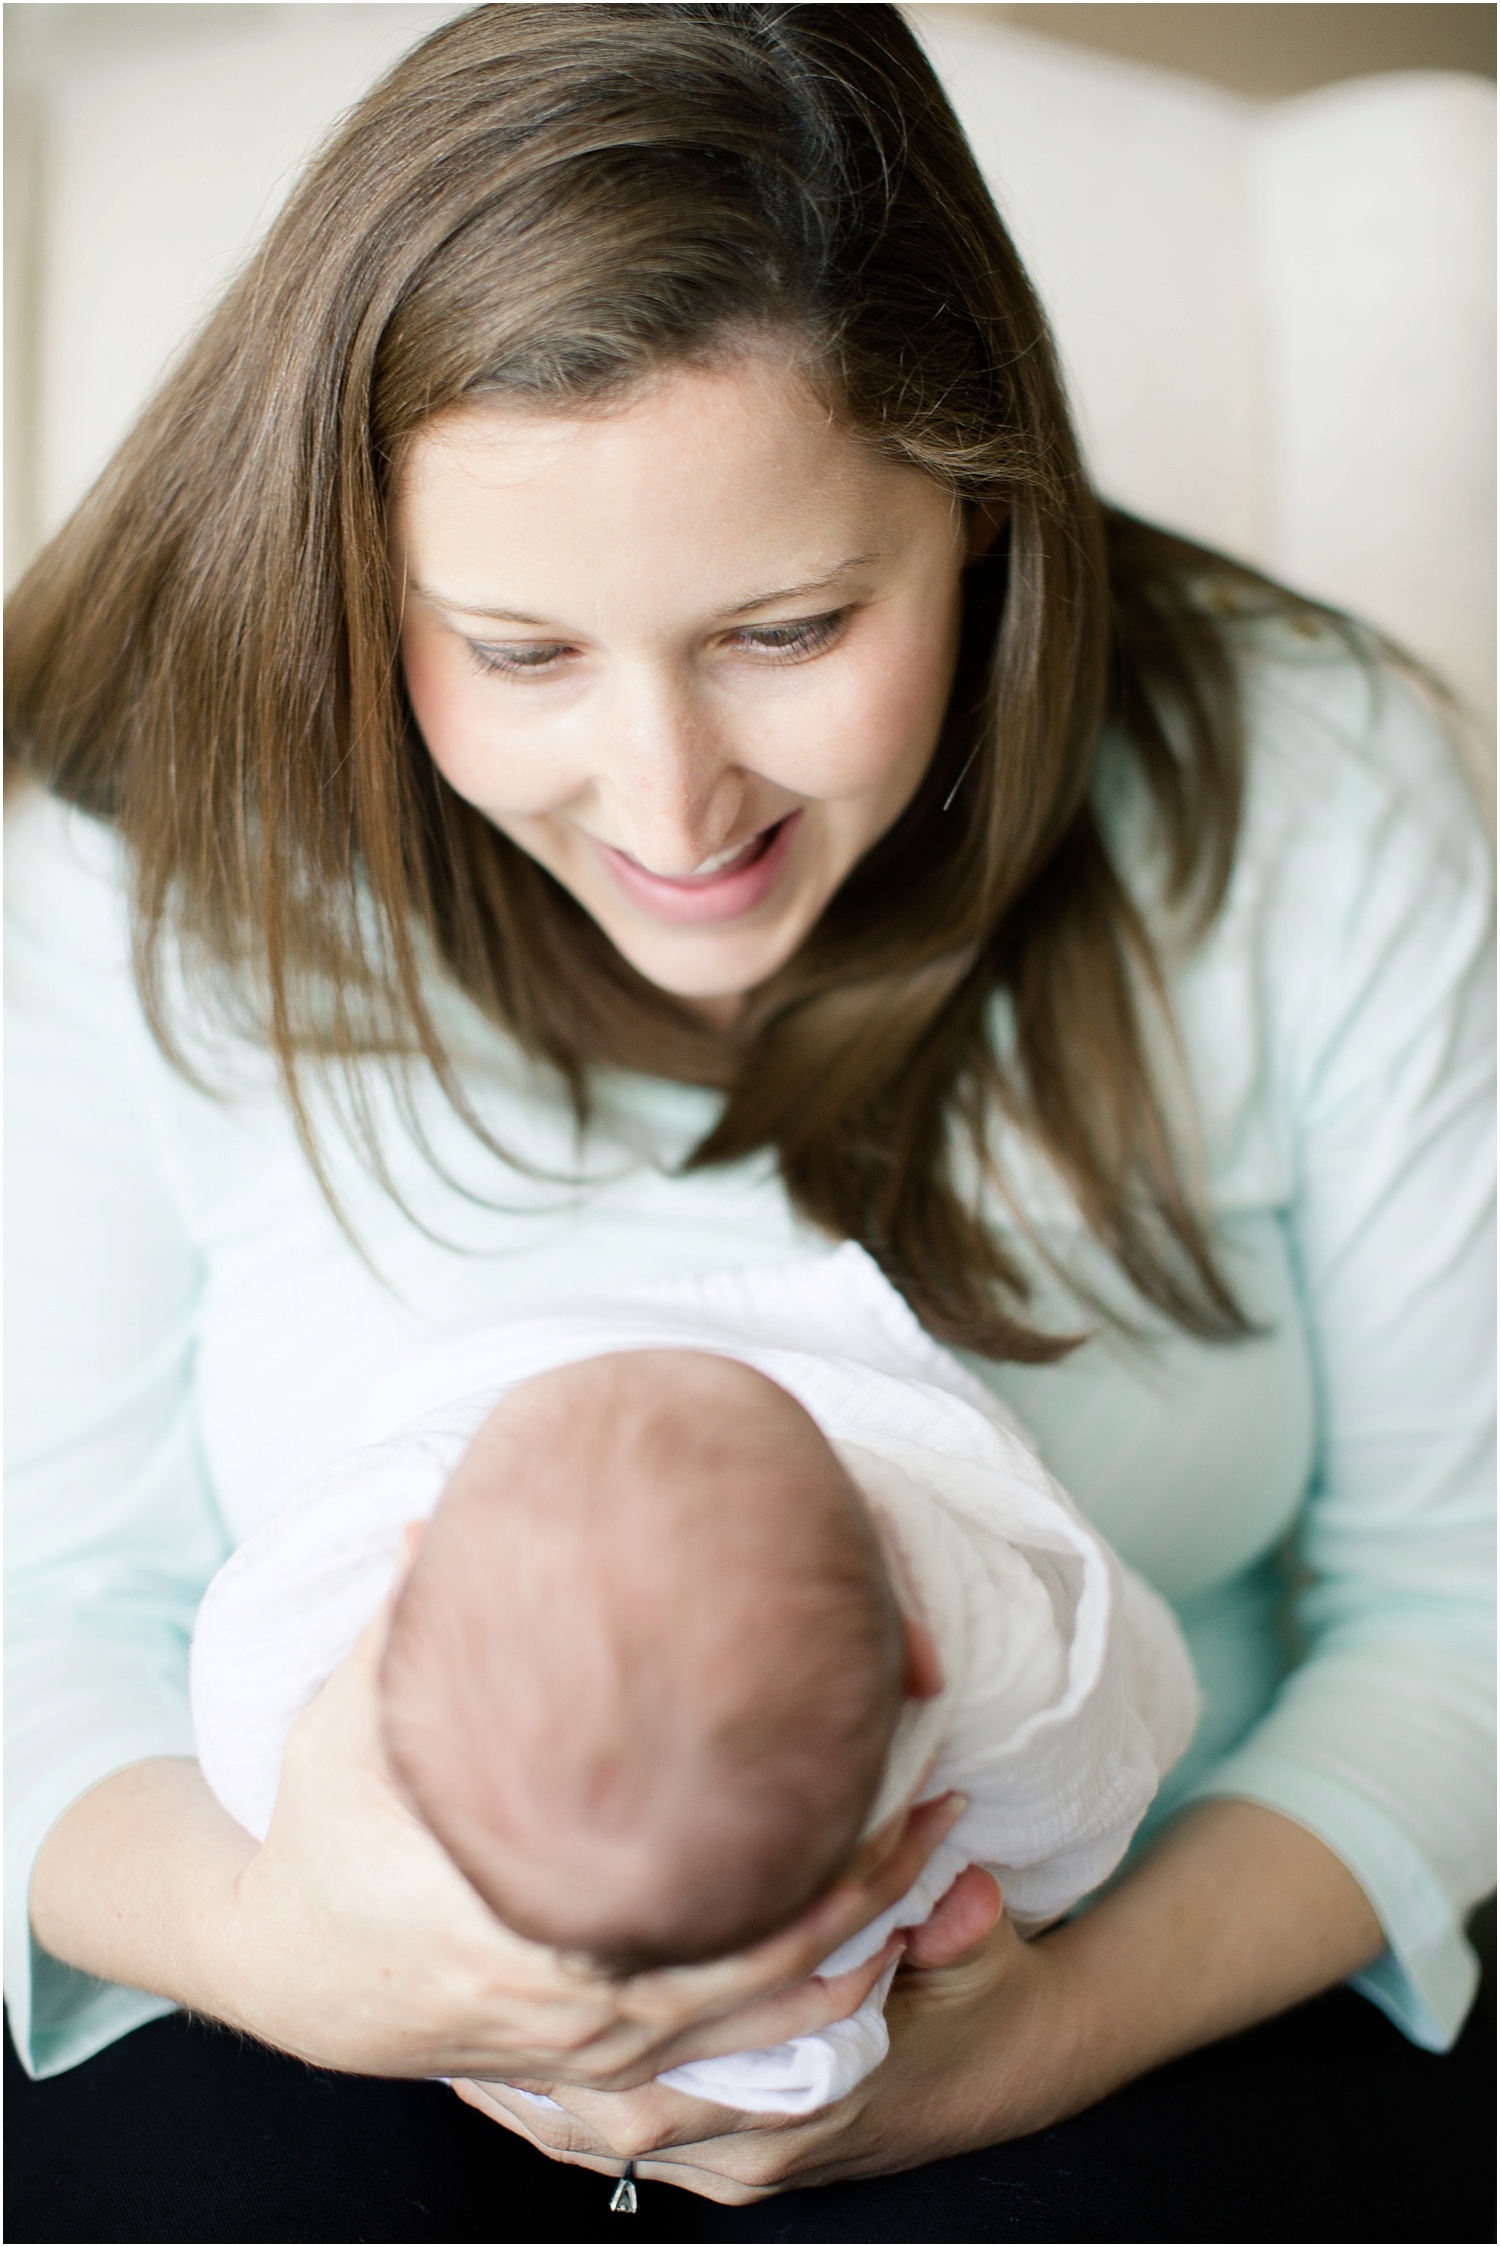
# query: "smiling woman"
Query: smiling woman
{"points": [[749, 397], [597, 730], [701, 763]]}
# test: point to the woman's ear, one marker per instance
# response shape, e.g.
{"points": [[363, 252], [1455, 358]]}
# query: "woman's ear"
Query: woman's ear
{"points": [[987, 519]]}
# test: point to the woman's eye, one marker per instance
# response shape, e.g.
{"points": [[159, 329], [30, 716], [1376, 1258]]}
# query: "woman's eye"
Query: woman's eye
{"points": [[790, 642], [784, 643], [527, 659]]}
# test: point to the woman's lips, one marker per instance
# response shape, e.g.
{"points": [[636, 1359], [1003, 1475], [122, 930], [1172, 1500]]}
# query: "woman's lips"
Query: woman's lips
{"points": [[720, 895]]}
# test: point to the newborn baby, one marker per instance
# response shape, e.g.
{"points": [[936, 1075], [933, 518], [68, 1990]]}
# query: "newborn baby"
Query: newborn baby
{"points": [[718, 1576], [642, 1679]]}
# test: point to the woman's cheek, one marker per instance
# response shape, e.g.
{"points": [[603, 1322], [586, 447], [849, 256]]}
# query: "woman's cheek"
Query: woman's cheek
{"points": [[440, 698], [492, 765], [869, 732]]}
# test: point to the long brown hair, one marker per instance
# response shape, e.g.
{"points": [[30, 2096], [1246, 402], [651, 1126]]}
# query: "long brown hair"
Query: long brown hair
{"points": [[545, 203]]}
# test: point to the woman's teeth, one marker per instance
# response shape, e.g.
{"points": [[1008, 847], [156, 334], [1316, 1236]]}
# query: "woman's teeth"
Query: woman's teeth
{"points": [[729, 883], [736, 855], [721, 858]]}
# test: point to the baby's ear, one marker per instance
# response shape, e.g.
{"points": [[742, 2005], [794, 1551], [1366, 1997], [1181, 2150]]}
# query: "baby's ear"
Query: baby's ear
{"points": [[924, 1672], [412, 1533]]}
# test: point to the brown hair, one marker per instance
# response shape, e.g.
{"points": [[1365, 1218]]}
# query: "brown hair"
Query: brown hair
{"points": [[546, 203], [649, 1632]]}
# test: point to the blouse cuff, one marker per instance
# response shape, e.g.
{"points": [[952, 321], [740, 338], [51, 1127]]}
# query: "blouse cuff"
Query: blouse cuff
{"points": [[58, 2015], [1426, 1977]]}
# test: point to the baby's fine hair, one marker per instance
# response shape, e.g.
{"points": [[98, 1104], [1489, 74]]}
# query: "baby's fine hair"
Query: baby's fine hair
{"points": [[643, 1674]]}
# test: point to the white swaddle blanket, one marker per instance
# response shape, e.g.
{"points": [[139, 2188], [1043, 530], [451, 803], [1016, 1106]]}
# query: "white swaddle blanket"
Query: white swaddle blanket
{"points": [[1067, 1694]]}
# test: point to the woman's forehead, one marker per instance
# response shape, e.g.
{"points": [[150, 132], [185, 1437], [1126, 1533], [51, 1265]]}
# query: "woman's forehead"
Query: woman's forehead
{"points": [[734, 484]]}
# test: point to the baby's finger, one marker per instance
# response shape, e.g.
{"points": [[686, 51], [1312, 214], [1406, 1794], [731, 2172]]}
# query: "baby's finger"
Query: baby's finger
{"points": [[969, 1911]]}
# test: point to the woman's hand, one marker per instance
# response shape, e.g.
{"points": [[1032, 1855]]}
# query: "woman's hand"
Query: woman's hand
{"points": [[943, 2089], [1236, 1914], [350, 1939]]}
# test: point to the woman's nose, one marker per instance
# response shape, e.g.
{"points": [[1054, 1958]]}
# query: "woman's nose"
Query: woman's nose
{"points": [[670, 782]]}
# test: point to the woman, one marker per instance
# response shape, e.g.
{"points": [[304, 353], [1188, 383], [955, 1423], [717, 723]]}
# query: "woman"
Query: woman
{"points": [[596, 728]]}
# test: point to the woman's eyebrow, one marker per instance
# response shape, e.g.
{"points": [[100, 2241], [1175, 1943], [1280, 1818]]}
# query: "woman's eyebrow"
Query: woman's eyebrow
{"points": [[810, 585], [503, 614]]}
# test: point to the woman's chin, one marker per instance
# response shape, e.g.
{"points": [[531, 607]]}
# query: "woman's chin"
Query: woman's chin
{"points": [[712, 970], [719, 998]]}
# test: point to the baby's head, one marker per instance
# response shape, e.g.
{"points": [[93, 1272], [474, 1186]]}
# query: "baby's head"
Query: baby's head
{"points": [[643, 1674]]}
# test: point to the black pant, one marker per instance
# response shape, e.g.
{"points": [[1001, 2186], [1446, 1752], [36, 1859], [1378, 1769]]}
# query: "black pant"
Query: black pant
{"points": [[1325, 2125]]}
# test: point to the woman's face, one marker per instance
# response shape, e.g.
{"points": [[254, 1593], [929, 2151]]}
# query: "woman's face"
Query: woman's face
{"points": [[692, 653]]}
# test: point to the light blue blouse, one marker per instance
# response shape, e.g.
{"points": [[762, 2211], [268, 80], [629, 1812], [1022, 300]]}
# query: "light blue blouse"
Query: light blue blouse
{"points": [[191, 1335]]}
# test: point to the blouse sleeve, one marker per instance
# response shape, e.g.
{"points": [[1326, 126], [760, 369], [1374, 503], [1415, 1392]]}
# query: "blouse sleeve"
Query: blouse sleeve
{"points": [[1381, 1740], [111, 1531]]}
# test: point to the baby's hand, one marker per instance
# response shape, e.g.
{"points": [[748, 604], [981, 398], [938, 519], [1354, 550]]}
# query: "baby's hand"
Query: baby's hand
{"points": [[961, 1921]]}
